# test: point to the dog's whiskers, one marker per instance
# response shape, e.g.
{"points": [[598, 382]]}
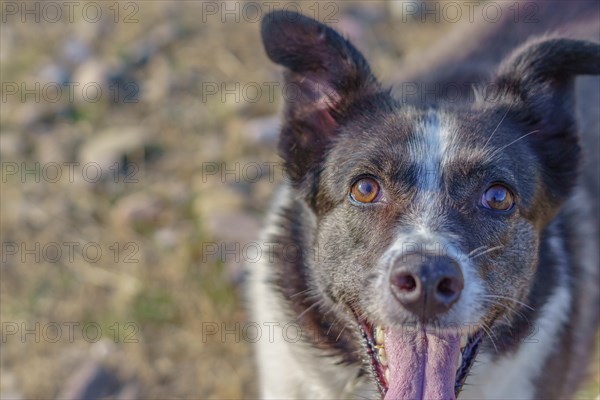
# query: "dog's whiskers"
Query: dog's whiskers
{"points": [[509, 299], [489, 333], [486, 251], [301, 292], [303, 313], [497, 303], [335, 321], [340, 334], [508, 308], [513, 142], [499, 123], [475, 250]]}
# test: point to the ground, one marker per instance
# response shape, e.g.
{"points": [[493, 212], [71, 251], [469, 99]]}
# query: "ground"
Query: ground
{"points": [[137, 143]]}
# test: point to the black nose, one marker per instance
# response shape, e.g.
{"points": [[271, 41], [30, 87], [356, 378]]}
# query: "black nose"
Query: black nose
{"points": [[426, 285]]}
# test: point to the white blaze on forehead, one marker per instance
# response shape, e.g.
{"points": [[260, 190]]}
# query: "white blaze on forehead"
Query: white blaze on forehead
{"points": [[432, 140], [430, 144], [428, 151]]}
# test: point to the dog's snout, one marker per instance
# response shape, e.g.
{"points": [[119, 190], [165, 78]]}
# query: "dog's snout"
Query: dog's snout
{"points": [[426, 285]]}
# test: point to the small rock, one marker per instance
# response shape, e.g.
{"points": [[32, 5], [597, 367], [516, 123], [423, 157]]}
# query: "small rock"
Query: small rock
{"points": [[166, 238], [75, 50], [91, 83], [109, 146], [138, 209], [53, 74]]}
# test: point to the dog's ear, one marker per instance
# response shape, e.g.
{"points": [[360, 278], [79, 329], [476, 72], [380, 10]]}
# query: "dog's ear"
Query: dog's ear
{"points": [[325, 75], [537, 81]]}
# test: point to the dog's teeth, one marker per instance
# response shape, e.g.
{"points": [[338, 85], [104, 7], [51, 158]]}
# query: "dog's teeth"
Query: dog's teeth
{"points": [[379, 335], [387, 376], [382, 357]]}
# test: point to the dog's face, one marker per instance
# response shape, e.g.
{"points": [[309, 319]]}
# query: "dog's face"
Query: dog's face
{"points": [[410, 190], [428, 220]]}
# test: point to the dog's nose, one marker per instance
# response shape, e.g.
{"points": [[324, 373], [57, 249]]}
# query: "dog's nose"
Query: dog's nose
{"points": [[426, 285]]}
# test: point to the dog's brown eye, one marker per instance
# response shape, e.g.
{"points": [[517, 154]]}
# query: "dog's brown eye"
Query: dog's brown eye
{"points": [[497, 197], [365, 190]]}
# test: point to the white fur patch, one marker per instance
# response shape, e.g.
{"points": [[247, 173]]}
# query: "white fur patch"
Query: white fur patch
{"points": [[428, 151]]}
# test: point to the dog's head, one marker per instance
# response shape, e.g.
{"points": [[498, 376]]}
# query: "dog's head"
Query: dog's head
{"points": [[428, 220]]}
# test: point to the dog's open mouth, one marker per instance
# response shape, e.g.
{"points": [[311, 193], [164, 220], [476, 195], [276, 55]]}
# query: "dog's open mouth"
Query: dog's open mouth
{"points": [[417, 364]]}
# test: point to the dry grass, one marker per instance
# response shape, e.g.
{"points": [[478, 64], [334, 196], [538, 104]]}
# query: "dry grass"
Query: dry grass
{"points": [[161, 211]]}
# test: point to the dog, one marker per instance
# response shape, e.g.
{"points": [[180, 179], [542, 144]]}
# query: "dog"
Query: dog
{"points": [[429, 251]]}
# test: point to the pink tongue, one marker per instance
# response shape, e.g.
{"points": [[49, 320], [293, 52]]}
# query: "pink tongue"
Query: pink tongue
{"points": [[422, 364]]}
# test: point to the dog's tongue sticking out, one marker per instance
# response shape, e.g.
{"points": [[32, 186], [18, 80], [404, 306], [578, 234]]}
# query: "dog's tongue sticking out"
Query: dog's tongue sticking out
{"points": [[422, 364]]}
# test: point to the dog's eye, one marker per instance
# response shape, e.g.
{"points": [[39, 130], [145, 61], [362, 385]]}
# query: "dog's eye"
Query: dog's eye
{"points": [[365, 190], [497, 197]]}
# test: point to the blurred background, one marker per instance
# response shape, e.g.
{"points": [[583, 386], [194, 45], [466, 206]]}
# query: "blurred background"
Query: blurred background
{"points": [[138, 160]]}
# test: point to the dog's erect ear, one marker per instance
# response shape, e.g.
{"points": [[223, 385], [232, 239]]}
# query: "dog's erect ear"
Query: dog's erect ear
{"points": [[537, 80], [541, 73], [325, 76]]}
